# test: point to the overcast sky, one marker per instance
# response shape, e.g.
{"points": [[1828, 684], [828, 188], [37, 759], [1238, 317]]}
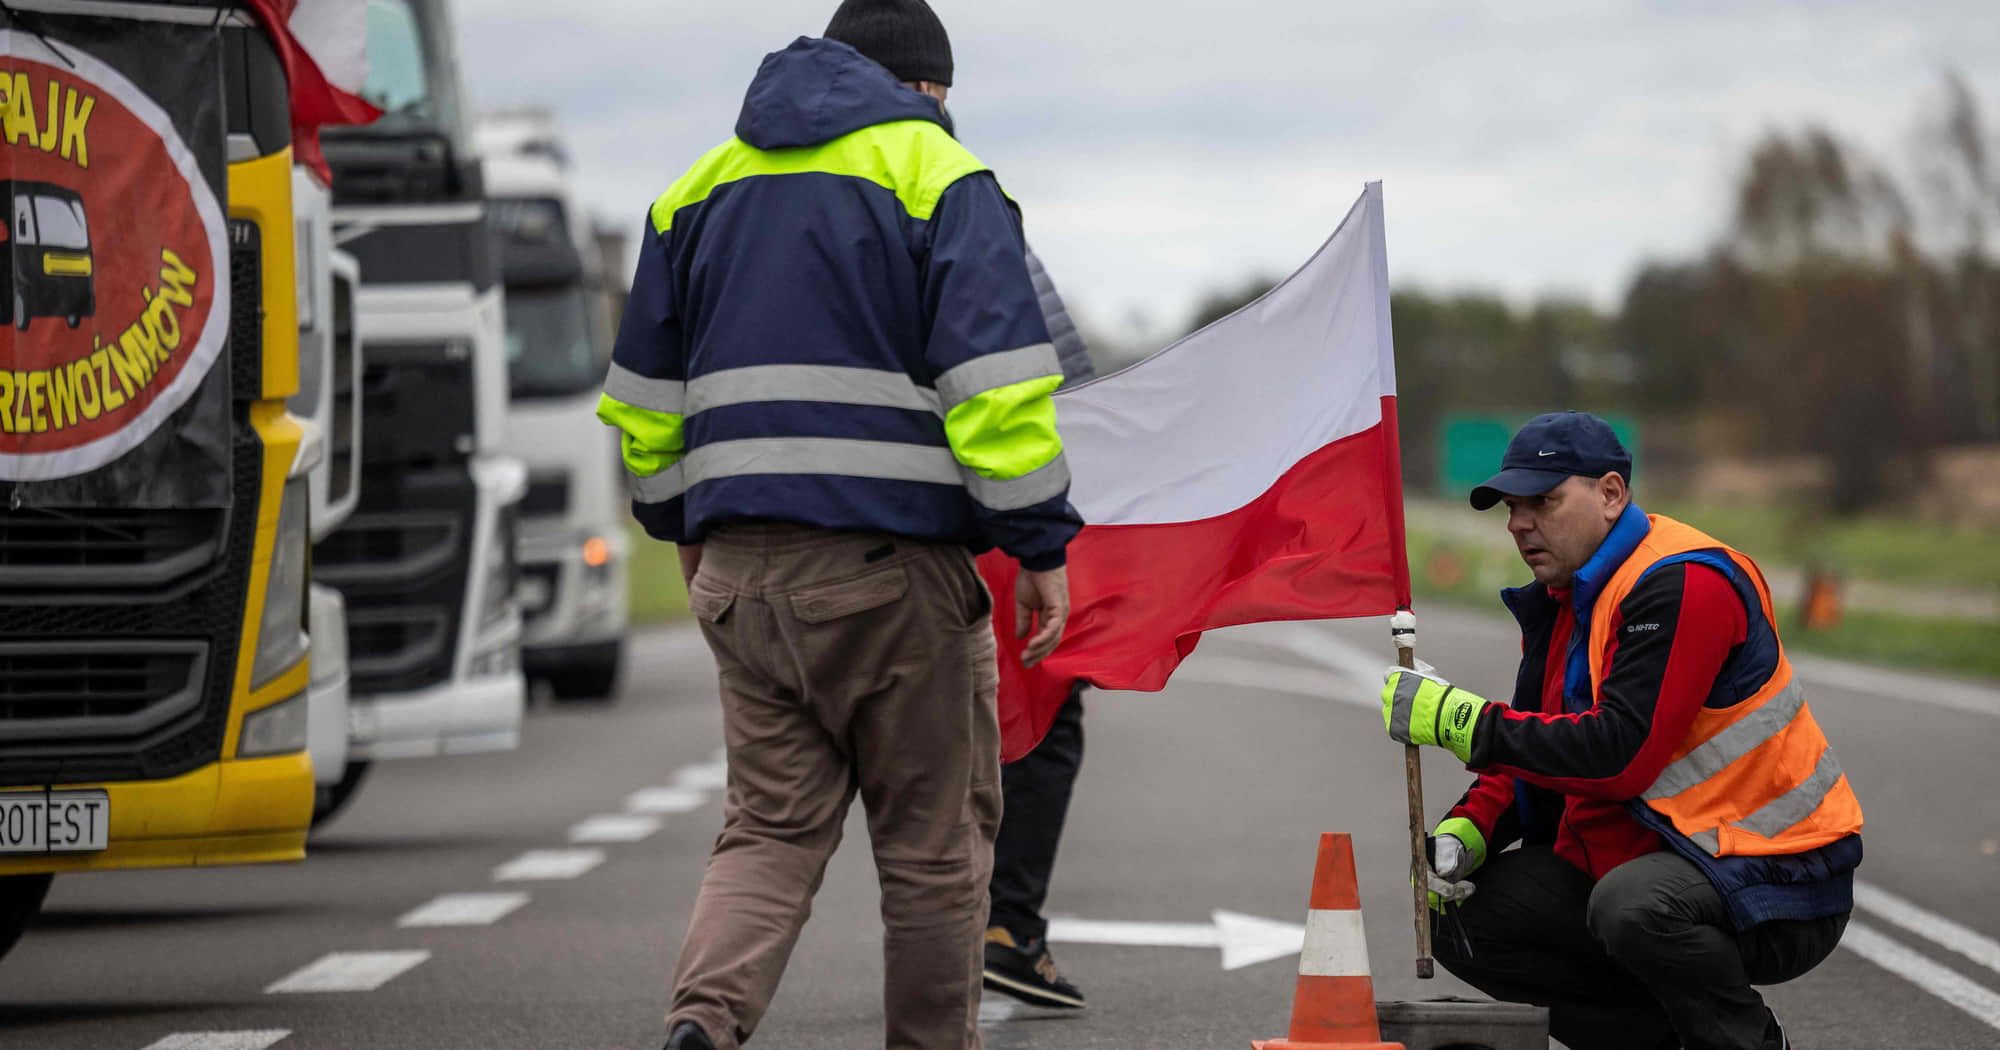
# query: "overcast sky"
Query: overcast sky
{"points": [[1161, 149]]}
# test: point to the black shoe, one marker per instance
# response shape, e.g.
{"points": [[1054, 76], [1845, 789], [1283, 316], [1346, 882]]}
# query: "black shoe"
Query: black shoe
{"points": [[1027, 972], [689, 1036]]}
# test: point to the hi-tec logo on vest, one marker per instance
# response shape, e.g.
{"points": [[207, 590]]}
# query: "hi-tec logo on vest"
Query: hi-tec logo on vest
{"points": [[116, 300]]}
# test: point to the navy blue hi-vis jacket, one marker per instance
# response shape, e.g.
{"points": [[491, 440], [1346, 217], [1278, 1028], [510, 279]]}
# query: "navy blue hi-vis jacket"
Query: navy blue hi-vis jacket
{"points": [[832, 323]]}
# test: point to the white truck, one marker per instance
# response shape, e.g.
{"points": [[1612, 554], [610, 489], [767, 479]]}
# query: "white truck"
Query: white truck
{"points": [[328, 404], [572, 540], [426, 561]]}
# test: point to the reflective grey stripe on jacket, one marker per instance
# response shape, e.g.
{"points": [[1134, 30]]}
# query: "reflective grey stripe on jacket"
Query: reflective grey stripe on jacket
{"points": [[828, 384], [1724, 749], [1070, 347]]}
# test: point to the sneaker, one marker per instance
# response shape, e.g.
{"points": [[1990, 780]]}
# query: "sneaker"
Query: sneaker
{"points": [[689, 1036], [1027, 972]]}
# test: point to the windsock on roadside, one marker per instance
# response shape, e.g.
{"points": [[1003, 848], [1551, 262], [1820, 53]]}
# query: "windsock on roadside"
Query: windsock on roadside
{"points": [[1334, 1005]]}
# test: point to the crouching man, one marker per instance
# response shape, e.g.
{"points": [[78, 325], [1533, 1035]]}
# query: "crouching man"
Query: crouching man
{"points": [[1685, 831]]}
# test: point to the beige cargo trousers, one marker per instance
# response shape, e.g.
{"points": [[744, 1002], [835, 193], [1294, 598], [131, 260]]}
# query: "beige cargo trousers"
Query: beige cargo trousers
{"points": [[849, 663]]}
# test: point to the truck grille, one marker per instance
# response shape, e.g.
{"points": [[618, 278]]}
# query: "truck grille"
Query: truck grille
{"points": [[101, 682], [43, 549], [92, 694], [402, 563], [547, 496]]}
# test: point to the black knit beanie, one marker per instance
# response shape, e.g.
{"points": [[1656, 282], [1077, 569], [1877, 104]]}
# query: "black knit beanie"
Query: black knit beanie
{"points": [[904, 36]]}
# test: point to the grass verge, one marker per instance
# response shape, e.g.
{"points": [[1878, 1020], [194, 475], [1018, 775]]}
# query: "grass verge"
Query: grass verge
{"points": [[657, 593]]}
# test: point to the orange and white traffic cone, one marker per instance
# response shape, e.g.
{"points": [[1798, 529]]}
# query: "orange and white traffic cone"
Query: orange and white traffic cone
{"points": [[1334, 1006]]}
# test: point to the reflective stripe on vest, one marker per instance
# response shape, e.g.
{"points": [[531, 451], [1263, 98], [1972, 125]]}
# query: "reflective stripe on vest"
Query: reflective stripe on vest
{"points": [[1796, 799], [1754, 731], [1786, 811]]}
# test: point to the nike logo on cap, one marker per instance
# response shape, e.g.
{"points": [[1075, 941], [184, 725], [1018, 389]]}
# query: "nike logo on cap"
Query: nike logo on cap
{"points": [[1548, 453]]}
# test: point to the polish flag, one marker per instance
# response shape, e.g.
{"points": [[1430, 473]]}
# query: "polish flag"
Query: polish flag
{"points": [[1249, 472], [322, 44]]}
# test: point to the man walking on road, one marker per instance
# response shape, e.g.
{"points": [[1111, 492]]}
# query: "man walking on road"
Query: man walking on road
{"points": [[1685, 829], [832, 382]]}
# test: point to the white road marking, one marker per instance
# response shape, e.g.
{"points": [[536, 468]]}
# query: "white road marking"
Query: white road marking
{"points": [[245, 1040], [1245, 940], [538, 865], [1929, 925], [705, 777], [1932, 977], [614, 827], [664, 800], [349, 972], [1901, 685], [997, 1009], [1313, 682], [465, 909]]}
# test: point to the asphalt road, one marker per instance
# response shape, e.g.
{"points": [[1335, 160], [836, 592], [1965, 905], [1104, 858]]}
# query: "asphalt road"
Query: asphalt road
{"points": [[1206, 797]]}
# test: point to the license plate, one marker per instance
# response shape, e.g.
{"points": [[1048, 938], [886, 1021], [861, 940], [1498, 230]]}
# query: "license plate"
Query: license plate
{"points": [[54, 821]]}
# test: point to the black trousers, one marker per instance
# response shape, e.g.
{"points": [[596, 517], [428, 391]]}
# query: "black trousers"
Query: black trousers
{"points": [[1644, 959], [1036, 792]]}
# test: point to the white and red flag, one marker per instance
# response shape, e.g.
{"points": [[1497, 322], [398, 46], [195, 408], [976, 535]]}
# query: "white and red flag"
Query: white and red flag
{"points": [[321, 43], [1249, 472]]}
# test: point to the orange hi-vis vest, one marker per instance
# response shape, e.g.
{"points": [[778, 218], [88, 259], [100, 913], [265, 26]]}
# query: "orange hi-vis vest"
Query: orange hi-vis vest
{"points": [[1756, 778]]}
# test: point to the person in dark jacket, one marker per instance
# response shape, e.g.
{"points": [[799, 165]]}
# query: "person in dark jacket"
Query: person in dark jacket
{"points": [[1685, 830], [832, 388], [1037, 787]]}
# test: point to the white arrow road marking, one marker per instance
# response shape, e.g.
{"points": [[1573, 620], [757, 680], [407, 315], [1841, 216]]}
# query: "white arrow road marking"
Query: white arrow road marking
{"points": [[665, 800], [1935, 978], [349, 972], [465, 909], [997, 1010], [220, 1040], [1245, 940], [614, 827], [539, 865]]}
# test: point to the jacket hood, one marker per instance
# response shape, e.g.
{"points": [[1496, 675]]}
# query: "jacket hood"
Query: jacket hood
{"points": [[817, 90]]}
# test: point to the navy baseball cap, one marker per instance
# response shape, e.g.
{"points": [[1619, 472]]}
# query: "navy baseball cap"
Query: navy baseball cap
{"points": [[1551, 449]]}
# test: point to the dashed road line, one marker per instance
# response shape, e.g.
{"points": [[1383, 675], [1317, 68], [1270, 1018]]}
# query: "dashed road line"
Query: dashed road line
{"points": [[244, 1040], [1933, 977], [614, 827], [349, 972], [665, 800], [539, 865], [465, 909]]}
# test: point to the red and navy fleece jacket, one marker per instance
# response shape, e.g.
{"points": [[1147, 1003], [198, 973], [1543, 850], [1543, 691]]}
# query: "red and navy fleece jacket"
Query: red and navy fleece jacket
{"points": [[1561, 769]]}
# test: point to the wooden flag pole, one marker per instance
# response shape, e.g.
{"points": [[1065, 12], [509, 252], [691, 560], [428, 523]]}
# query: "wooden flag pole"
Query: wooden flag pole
{"points": [[1403, 629]]}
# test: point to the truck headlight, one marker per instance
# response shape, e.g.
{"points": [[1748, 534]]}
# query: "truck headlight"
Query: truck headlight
{"points": [[497, 587], [279, 729], [281, 636]]}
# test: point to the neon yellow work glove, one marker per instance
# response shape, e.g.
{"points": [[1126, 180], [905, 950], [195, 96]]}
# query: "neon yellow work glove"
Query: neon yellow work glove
{"points": [[1418, 708]]}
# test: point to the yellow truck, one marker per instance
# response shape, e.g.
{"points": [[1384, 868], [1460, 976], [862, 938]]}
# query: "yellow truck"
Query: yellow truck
{"points": [[154, 534]]}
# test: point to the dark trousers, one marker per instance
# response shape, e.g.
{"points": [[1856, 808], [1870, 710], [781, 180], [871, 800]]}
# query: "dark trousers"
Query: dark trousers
{"points": [[1036, 791], [1645, 959]]}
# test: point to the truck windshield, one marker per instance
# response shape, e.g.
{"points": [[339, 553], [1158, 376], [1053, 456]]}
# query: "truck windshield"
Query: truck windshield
{"points": [[412, 69], [61, 222], [553, 349], [397, 81]]}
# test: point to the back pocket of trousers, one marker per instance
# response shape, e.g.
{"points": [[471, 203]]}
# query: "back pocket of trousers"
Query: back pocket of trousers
{"points": [[831, 601]]}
